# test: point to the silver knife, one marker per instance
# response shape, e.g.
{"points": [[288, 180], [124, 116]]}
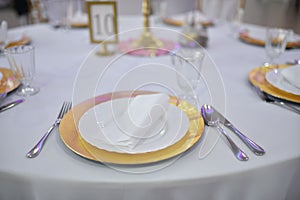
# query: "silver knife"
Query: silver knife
{"points": [[10, 105], [255, 148]]}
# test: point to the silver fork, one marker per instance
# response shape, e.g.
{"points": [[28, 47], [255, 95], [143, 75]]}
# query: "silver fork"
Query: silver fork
{"points": [[35, 151], [268, 98]]}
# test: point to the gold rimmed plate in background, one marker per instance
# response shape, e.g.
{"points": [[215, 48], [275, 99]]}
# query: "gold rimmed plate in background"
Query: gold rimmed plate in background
{"points": [[79, 25], [24, 40], [245, 37], [179, 23], [258, 78], [71, 137], [12, 82]]}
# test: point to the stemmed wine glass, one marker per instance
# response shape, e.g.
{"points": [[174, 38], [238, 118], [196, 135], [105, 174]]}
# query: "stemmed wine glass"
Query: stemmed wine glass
{"points": [[276, 40], [188, 63], [60, 13], [22, 64], [158, 9]]}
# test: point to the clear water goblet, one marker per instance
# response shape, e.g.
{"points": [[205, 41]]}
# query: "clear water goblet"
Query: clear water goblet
{"points": [[22, 63], [276, 40], [188, 63]]}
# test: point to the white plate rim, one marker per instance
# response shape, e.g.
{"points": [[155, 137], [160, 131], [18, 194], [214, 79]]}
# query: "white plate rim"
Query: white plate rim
{"points": [[274, 78]]}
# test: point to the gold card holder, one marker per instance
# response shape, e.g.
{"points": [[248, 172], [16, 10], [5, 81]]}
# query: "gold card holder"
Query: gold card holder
{"points": [[103, 25]]}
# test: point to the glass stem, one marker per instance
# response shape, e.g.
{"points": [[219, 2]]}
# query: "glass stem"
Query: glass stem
{"points": [[271, 59]]}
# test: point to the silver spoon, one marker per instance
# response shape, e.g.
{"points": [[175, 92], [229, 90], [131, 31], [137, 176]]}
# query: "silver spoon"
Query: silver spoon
{"points": [[295, 62], [206, 112], [215, 114]]}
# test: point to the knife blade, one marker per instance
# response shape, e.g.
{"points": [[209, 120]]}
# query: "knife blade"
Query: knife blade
{"points": [[11, 104], [255, 148]]}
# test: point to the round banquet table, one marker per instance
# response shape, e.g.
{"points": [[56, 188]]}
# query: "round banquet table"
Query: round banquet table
{"points": [[58, 173]]}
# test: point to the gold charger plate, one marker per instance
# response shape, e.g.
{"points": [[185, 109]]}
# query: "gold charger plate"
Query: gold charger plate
{"points": [[258, 78], [174, 22], [23, 41], [70, 135], [250, 40], [12, 82]]}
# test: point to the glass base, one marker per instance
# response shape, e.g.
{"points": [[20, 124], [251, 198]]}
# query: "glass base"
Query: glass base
{"points": [[27, 91], [191, 99]]}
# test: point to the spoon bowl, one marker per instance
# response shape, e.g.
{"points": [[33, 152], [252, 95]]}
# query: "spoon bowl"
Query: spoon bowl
{"points": [[207, 113]]}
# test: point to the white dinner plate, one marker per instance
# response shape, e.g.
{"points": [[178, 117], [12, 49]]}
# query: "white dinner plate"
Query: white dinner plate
{"points": [[292, 75], [177, 125], [275, 78]]}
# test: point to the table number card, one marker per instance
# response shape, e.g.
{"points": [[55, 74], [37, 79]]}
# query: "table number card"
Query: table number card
{"points": [[102, 21]]}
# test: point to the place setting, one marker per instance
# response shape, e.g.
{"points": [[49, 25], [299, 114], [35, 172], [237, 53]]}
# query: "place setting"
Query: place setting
{"points": [[277, 83], [8, 84], [145, 127], [118, 140], [257, 36], [18, 77], [141, 127]]}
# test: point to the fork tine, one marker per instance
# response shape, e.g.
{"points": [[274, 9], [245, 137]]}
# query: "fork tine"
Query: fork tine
{"points": [[62, 110], [69, 106], [65, 108]]}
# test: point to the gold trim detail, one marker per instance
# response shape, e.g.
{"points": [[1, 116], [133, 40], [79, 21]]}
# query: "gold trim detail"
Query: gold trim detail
{"points": [[71, 137]]}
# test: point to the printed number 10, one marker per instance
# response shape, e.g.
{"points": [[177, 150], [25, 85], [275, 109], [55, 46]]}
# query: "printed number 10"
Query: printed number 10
{"points": [[108, 21]]}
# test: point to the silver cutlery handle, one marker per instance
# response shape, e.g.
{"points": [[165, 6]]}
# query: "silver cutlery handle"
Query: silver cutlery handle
{"points": [[239, 154], [255, 148], [287, 106], [10, 105], [35, 151]]}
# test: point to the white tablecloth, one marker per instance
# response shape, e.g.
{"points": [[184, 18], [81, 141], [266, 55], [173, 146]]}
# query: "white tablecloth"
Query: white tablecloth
{"points": [[58, 173]]}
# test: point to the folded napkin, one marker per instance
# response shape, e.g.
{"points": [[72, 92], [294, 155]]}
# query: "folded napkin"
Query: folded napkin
{"points": [[292, 75], [144, 117]]}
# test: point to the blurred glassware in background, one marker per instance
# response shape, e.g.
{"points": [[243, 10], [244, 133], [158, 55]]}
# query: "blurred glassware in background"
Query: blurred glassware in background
{"points": [[228, 11], [222, 10], [275, 44], [3, 36], [193, 33], [61, 12], [37, 12], [236, 22], [22, 63], [158, 10]]}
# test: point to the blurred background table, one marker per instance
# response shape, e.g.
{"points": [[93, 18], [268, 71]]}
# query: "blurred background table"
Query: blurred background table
{"points": [[60, 174]]}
